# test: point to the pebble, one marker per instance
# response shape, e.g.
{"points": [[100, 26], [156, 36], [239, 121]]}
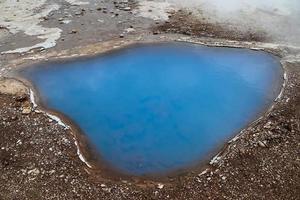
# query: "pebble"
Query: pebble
{"points": [[73, 31], [262, 144], [160, 186], [268, 125], [80, 12], [130, 30], [127, 9], [34, 172], [204, 172], [26, 110], [19, 142]]}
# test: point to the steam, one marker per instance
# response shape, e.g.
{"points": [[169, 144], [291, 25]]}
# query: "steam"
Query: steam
{"points": [[279, 19]]}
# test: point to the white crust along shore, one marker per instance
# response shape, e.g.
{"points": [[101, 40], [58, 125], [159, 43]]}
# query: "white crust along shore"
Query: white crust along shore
{"points": [[60, 122]]}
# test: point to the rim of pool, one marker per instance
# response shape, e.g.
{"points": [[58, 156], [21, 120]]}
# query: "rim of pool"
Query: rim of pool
{"points": [[85, 149]]}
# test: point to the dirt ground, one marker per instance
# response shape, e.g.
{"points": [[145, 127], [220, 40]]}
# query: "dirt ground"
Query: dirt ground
{"points": [[39, 157]]}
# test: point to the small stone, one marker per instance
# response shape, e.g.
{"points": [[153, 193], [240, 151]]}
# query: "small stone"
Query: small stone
{"points": [[121, 35], [262, 144], [127, 9], [242, 151], [130, 30], [26, 110], [202, 173], [107, 190], [13, 118], [268, 125], [80, 12], [73, 31], [34, 172], [160, 186]]}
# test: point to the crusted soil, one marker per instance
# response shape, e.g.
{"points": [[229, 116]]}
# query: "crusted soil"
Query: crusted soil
{"points": [[186, 23]]}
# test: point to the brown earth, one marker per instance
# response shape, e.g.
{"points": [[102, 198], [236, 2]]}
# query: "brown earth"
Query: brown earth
{"points": [[186, 23]]}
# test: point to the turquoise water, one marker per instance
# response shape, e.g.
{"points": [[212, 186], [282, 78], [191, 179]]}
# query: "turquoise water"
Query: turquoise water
{"points": [[151, 109]]}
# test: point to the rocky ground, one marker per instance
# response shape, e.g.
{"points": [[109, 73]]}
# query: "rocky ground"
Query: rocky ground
{"points": [[39, 158], [184, 22]]}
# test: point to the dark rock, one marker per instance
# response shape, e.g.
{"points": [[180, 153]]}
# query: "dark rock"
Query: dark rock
{"points": [[21, 98]]}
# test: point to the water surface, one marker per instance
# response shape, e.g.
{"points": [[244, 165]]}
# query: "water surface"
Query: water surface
{"points": [[151, 109]]}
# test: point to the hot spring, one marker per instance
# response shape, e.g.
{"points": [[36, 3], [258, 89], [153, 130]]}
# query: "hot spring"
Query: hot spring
{"points": [[159, 108]]}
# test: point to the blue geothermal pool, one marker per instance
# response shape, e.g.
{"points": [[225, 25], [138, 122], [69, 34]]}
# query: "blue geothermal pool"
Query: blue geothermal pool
{"points": [[152, 109]]}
